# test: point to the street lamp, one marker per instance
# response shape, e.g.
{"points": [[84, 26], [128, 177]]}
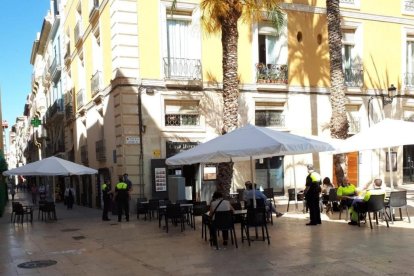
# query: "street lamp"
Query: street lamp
{"points": [[387, 99]]}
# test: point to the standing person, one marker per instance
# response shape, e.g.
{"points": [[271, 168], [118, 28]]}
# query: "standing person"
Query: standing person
{"points": [[12, 190], [122, 199], [128, 182], [33, 191], [69, 197], [106, 196], [312, 191]]}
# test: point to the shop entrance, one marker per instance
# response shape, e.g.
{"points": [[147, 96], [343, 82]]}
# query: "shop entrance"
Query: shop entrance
{"points": [[408, 164]]}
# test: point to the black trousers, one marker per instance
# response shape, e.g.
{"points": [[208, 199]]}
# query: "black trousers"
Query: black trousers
{"points": [[123, 206], [314, 211], [106, 203]]}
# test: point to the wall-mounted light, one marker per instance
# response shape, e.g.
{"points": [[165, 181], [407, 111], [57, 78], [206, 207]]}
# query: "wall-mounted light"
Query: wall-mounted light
{"points": [[387, 99]]}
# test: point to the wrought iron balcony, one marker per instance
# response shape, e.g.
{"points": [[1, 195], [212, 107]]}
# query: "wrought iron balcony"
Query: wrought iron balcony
{"points": [[100, 150], [272, 73], [182, 69], [409, 5], [55, 111], [269, 118], [96, 83], [182, 120], [69, 114], [409, 79], [55, 68], [354, 77], [80, 98]]}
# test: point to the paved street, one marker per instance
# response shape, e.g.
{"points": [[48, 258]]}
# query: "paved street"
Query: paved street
{"points": [[82, 244]]}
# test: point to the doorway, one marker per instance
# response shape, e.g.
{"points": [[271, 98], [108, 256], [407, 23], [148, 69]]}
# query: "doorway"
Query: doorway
{"points": [[270, 174], [408, 164]]}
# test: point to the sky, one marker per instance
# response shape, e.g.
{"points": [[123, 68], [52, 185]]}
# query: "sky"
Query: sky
{"points": [[19, 23]]}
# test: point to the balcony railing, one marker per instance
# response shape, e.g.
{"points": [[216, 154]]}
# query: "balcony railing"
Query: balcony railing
{"points": [[69, 112], [354, 77], [55, 67], [409, 79], [100, 150], [80, 98], [409, 5], [182, 69], [269, 118], [182, 119], [58, 106], [272, 73], [96, 83]]}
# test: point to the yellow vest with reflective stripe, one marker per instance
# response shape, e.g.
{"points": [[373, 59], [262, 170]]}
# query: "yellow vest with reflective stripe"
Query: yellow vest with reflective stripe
{"points": [[315, 177], [121, 186], [103, 187]]}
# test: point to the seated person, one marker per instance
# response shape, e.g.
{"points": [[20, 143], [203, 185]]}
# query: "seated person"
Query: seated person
{"points": [[259, 195], [346, 192], [326, 187], [218, 204], [359, 202]]}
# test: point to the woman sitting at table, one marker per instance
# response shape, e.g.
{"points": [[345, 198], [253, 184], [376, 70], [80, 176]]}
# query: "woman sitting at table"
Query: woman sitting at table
{"points": [[346, 192], [218, 204]]}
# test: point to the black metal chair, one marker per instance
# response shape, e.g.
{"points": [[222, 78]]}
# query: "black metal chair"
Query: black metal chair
{"points": [[199, 208], [397, 199], [255, 218], [174, 213], [13, 211], [223, 221], [47, 210], [153, 205], [299, 197], [268, 192], [142, 209], [375, 205], [21, 212]]}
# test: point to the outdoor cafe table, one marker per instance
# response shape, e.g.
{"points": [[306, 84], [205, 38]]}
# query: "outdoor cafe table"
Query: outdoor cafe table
{"points": [[186, 207]]}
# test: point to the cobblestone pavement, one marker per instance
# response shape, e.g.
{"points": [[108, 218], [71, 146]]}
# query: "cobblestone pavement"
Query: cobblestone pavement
{"points": [[82, 244]]}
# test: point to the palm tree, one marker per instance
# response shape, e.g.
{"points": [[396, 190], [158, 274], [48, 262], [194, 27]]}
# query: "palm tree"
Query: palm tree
{"points": [[223, 16], [339, 122]]}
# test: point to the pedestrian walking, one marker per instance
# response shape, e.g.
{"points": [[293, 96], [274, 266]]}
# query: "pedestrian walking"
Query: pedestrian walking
{"points": [[122, 199], [106, 197], [33, 191], [12, 190], [69, 197]]}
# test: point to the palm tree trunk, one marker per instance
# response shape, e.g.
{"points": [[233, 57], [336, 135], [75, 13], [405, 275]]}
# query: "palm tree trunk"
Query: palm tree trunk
{"points": [[229, 39], [339, 122]]}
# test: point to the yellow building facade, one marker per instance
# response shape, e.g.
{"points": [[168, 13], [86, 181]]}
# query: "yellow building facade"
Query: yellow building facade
{"points": [[144, 83]]}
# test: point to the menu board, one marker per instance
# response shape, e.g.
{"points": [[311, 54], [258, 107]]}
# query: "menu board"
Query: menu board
{"points": [[160, 180]]}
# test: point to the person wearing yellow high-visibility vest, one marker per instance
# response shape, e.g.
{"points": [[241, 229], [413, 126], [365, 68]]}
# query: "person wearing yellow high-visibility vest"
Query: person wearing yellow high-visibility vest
{"points": [[106, 197], [122, 199], [312, 193], [360, 201]]}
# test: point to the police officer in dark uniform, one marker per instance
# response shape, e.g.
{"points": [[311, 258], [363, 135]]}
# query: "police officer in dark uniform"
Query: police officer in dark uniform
{"points": [[106, 196], [312, 192], [122, 199]]}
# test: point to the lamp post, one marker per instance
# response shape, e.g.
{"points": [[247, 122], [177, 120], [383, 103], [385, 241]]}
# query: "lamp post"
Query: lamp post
{"points": [[387, 99]]}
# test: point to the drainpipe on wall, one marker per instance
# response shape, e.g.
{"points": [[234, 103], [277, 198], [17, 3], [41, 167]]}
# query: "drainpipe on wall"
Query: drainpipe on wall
{"points": [[141, 149]]}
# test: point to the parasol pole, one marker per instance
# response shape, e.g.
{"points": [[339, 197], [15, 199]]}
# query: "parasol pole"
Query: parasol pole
{"points": [[253, 180], [294, 180], [390, 167]]}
